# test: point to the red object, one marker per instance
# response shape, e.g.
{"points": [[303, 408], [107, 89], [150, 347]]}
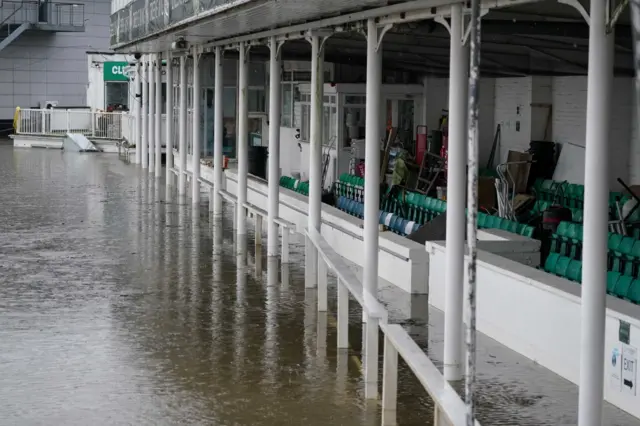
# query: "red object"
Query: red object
{"points": [[225, 162], [421, 143], [444, 151], [360, 169]]}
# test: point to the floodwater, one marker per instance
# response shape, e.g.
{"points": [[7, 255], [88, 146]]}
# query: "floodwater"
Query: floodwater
{"points": [[120, 306]]}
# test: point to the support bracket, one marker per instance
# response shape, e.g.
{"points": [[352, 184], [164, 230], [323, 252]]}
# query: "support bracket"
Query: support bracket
{"points": [[616, 15], [440, 20], [579, 7], [324, 36], [381, 35]]}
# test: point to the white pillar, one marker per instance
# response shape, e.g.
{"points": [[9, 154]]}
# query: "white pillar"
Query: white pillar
{"points": [[372, 160], [138, 112], [144, 130], [274, 148], [243, 135], [182, 129], [158, 123], [169, 123], [315, 158], [372, 200], [151, 106], [218, 132], [456, 200], [195, 156], [594, 254]]}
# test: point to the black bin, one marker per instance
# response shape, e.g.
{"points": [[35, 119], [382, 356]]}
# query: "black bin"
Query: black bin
{"points": [[258, 161]]}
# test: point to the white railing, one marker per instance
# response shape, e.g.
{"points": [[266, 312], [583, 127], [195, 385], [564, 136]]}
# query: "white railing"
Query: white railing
{"points": [[449, 408], [57, 122]]}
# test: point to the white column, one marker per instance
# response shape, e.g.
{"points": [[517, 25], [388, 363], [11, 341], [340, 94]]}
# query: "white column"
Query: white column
{"points": [[372, 201], [158, 124], [372, 160], [315, 158], [182, 128], [218, 132], [169, 123], [138, 112], [243, 135], [151, 106], [144, 130], [195, 156], [456, 200], [594, 254], [274, 148]]}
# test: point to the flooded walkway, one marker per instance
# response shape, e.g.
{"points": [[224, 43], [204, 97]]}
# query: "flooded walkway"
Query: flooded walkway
{"points": [[121, 306]]}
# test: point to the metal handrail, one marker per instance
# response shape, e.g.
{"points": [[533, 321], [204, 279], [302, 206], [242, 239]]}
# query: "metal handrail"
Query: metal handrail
{"points": [[10, 16], [53, 13]]}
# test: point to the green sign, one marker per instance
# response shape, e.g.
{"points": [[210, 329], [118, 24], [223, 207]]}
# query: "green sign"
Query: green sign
{"points": [[114, 71]]}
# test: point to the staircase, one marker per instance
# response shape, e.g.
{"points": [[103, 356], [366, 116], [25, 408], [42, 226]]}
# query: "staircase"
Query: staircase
{"points": [[17, 17]]}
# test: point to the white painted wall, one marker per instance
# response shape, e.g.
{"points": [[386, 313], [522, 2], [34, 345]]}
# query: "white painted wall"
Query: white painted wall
{"points": [[95, 71], [568, 96], [41, 66], [538, 315]]}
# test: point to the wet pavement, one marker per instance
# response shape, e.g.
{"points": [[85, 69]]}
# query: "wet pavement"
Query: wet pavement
{"points": [[120, 306]]}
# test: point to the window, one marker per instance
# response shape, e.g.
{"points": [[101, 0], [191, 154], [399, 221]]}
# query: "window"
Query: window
{"points": [[116, 93], [329, 119], [286, 119]]}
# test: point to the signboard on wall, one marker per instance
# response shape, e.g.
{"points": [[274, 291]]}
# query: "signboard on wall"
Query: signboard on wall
{"points": [[629, 369], [114, 71]]}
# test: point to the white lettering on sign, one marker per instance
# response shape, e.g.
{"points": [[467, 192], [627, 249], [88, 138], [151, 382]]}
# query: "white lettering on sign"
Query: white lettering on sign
{"points": [[629, 367], [117, 70]]}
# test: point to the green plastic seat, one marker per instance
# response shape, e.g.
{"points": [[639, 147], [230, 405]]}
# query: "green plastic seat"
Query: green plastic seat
{"points": [[622, 286], [512, 227], [612, 280], [562, 266], [574, 272], [550, 263], [614, 241], [633, 295]]}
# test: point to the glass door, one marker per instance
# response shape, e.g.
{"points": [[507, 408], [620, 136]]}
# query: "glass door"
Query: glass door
{"points": [[208, 118]]}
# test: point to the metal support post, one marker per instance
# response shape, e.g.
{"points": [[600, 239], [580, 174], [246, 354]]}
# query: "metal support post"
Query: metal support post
{"points": [[274, 148], [195, 156], [372, 160], [456, 200], [372, 201], [169, 123], [243, 138], [218, 133], [596, 200], [322, 285], [315, 158], [152, 105], [472, 202], [158, 123], [182, 129], [138, 112], [144, 130]]}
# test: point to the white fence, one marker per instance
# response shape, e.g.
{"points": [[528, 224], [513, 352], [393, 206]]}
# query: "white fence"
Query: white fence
{"points": [[57, 122], [449, 409]]}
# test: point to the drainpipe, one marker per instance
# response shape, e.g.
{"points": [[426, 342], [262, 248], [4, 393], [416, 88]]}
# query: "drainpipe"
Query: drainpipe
{"points": [[152, 103], [144, 130], [456, 200], [169, 123], [596, 200], [218, 132], [315, 158], [158, 128], [182, 128], [243, 137], [274, 148], [195, 156]]}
